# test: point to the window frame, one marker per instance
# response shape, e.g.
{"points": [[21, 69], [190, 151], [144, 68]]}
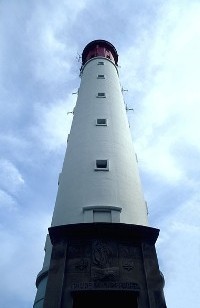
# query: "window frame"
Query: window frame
{"points": [[101, 168], [100, 76], [102, 124], [101, 95]]}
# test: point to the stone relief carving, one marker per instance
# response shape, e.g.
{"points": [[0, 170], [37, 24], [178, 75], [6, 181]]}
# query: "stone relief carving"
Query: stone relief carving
{"points": [[128, 266], [74, 251], [101, 254], [82, 265], [102, 258], [127, 255], [125, 251]]}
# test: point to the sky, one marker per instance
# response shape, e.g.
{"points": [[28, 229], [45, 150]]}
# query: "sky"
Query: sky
{"points": [[158, 42]]}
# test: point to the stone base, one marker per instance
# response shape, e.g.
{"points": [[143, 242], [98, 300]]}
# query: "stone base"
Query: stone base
{"points": [[104, 264]]}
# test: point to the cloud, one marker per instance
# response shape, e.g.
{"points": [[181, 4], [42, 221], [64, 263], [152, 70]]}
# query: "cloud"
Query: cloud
{"points": [[53, 123], [178, 248], [48, 42], [21, 254], [167, 111], [7, 202], [10, 177]]}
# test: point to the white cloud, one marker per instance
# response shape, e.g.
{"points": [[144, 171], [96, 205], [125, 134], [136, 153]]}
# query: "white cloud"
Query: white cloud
{"points": [[7, 202], [54, 123], [21, 253], [51, 49], [10, 177], [49, 61], [179, 250], [13, 141], [169, 93]]}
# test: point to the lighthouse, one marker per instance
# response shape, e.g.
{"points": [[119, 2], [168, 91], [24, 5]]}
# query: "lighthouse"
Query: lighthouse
{"points": [[100, 250]]}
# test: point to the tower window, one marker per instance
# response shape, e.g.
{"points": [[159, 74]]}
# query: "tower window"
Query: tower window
{"points": [[102, 165], [101, 94], [101, 122], [101, 213], [102, 216], [101, 76], [100, 63]]}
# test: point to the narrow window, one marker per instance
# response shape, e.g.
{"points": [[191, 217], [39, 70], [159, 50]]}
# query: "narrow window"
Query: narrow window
{"points": [[101, 164], [101, 94], [100, 63], [100, 76], [101, 122]]}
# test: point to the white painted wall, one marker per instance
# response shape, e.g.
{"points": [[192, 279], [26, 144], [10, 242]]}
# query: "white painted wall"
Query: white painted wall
{"points": [[80, 185]]}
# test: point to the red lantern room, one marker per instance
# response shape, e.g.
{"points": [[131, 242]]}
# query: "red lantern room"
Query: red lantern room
{"points": [[99, 48]]}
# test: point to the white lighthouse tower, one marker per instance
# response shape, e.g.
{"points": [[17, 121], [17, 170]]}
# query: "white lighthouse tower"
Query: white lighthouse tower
{"points": [[103, 251]]}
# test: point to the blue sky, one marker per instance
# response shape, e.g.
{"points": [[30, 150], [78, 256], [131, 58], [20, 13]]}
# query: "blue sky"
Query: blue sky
{"points": [[158, 43]]}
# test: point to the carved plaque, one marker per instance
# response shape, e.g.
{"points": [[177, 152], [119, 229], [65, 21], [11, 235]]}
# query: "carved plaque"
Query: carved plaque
{"points": [[103, 255], [132, 286]]}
